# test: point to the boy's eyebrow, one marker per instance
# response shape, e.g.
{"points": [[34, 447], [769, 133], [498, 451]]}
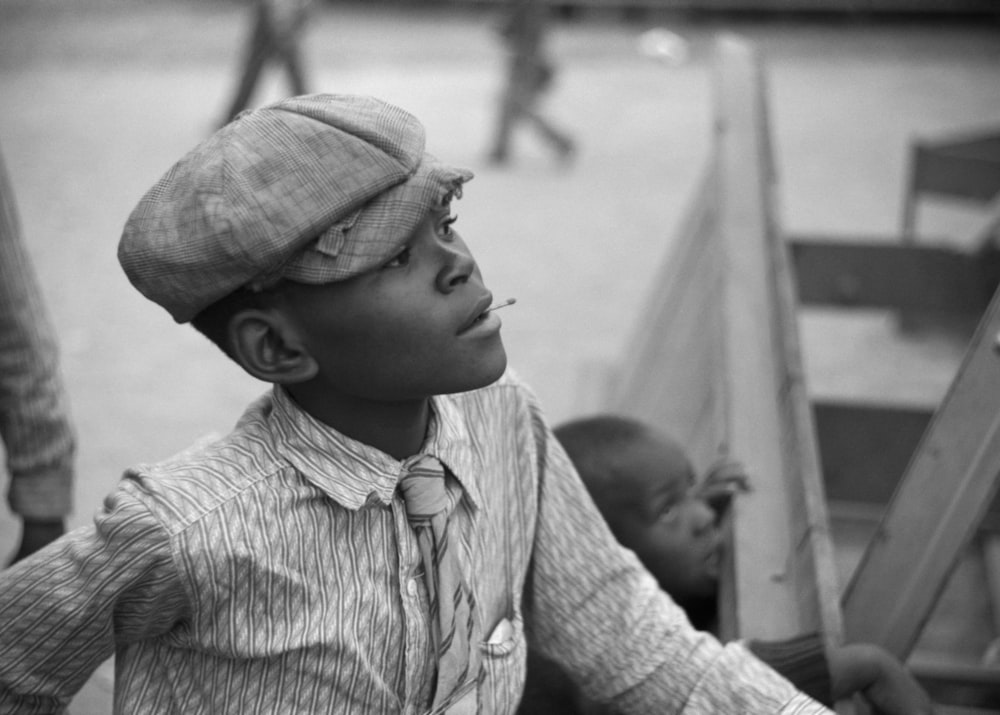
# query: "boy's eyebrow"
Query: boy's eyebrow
{"points": [[668, 494]]}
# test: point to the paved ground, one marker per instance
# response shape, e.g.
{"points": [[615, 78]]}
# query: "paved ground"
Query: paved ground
{"points": [[100, 96]]}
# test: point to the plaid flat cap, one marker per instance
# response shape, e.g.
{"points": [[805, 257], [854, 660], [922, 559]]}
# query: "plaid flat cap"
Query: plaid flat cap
{"points": [[315, 189]]}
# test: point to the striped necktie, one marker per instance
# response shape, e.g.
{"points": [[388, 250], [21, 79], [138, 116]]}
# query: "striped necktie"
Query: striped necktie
{"points": [[451, 603]]}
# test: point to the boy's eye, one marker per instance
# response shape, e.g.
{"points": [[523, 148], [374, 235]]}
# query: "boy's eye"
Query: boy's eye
{"points": [[400, 259], [447, 223], [664, 510]]}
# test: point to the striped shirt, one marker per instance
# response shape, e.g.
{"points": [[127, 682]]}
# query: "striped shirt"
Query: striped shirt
{"points": [[34, 419], [273, 571]]}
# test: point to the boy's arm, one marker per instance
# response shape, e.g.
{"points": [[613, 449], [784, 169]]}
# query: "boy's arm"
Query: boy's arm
{"points": [[596, 611], [802, 660], [38, 438], [870, 671], [64, 609], [855, 669]]}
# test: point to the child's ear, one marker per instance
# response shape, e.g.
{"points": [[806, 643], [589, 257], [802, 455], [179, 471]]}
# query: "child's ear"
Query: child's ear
{"points": [[268, 347]]}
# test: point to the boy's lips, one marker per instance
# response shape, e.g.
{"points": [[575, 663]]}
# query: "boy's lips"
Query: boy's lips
{"points": [[476, 316]]}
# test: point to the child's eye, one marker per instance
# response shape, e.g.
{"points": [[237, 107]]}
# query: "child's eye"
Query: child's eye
{"points": [[447, 223], [664, 511], [400, 259]]}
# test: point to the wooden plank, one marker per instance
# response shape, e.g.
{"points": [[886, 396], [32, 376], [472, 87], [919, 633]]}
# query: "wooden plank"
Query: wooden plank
{"points": [[943, 497], [717, 363], [858, 273], [783, 567], [945, 173], [965, 167], [948, 7], [986, 233], [783, 577]]}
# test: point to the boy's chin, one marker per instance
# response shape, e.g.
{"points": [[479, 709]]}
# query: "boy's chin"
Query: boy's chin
{"points": [[497, 369], [485, 375], [484, 380]]}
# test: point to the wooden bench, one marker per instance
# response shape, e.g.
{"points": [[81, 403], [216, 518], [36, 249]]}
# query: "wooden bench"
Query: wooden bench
{"points": [[963, 167]]}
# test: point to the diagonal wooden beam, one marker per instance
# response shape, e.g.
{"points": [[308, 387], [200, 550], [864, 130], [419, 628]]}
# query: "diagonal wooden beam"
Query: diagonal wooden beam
{"points": [[944, 495]]}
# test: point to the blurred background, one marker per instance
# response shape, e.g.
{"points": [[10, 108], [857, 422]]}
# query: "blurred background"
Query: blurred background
{"points": [[100, 97]]}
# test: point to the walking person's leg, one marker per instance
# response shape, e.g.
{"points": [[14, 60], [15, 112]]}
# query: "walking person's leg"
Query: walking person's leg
{"points": [[258, 51]]}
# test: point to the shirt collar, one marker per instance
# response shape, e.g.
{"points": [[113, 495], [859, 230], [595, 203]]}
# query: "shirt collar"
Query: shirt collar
{"points": [[449, 440], [353, 473]]}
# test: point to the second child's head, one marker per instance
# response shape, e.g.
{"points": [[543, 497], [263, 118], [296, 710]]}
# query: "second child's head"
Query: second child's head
{"points": [[313, 240], [641, 480]]}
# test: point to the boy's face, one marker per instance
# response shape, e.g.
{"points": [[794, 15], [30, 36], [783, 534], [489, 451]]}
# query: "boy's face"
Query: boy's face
{"points": [[410, 329], [673, 534]]}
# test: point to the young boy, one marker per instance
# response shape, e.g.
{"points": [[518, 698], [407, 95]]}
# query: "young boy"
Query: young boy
{"points": [[276, 570], [644, 486]]}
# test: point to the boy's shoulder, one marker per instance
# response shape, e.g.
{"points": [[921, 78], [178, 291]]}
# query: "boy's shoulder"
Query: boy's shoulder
{"points": [[211, 471]]}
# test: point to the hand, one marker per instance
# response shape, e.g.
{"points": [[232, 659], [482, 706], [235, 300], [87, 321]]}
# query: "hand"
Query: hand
{"points": [[882, 680], [37, 533]]}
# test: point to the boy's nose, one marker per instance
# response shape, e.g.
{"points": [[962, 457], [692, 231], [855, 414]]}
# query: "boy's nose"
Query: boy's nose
{"points": [[702, 518], [458, 265]]}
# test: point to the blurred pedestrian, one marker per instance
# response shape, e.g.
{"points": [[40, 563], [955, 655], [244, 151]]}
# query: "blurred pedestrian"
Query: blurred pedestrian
{"points": [[277, 30], [530, 73], [34, 421]]}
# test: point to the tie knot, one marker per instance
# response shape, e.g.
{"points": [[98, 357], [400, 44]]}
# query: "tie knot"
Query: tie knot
{"points": [[423, 489]]}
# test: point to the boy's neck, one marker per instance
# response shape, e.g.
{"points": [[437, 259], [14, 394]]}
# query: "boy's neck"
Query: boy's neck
{"points": [[396, 428]]}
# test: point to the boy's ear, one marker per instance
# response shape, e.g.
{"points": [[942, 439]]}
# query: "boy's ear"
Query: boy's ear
{"points": [[268, 347]]}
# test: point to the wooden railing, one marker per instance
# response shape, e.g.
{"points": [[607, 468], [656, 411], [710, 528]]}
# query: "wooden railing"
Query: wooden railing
{"points": [[716, 363]]}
